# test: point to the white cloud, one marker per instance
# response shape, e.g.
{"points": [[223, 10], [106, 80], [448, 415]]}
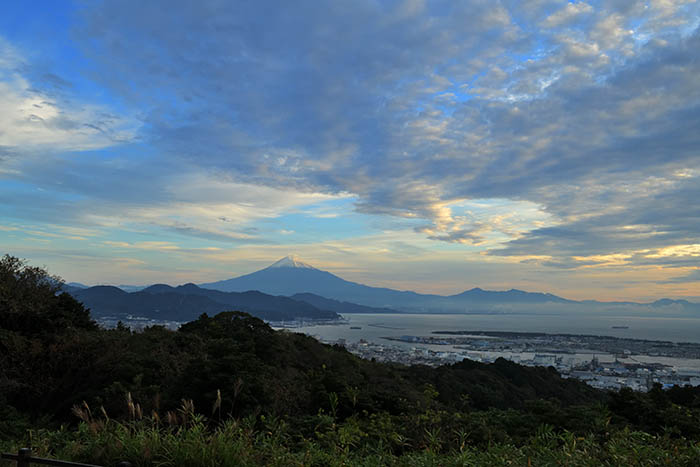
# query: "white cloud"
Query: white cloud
{"points": [[32, 119], [567, 14], [209, 207]]}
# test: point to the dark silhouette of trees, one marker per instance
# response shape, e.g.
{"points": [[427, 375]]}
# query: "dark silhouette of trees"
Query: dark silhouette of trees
{"points": [[31, 301]]}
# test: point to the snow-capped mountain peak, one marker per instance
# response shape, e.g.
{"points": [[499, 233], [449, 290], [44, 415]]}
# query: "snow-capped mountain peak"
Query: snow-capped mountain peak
{"points": [[291, 261]]}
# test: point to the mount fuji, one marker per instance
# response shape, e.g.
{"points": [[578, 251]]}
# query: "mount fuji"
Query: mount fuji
{"points": [[290, 276]]}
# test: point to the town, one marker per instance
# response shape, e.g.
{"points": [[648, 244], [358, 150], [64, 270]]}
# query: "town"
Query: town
{"points": [[601, 361]]}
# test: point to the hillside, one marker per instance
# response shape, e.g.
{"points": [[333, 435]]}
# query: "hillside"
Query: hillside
{"points": [[338, 306], [187, 302]]}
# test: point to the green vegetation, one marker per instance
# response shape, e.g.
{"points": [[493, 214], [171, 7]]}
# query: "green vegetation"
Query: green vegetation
{"points": [[229, 390], [263, 440]]}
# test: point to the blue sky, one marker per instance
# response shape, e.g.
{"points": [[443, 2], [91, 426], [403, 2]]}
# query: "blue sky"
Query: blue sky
{"points": [[426, 145]]}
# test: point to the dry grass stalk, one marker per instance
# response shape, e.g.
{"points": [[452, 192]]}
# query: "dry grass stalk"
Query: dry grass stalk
{"points": [[104, 413], [171, 418], [217, 403], [80, 412], [130, 405]]}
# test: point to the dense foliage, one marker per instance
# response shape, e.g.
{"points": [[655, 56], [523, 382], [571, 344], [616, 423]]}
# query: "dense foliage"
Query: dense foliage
{"points": [[233, 390], [186, 302]]}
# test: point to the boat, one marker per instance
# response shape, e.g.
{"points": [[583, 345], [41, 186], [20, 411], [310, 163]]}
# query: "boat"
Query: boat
{"points": [[620, 327]]}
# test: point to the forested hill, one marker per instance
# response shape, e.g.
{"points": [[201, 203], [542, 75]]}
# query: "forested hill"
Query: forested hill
{"points": [[281, 373], [187, 302]]}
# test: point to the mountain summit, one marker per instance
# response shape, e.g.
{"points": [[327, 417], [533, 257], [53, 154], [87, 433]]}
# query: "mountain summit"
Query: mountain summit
{"points": [[291, 261], [290, 276]]}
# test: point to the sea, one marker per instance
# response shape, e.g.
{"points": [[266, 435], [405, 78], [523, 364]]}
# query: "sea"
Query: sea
{"points": [[375, 327]]}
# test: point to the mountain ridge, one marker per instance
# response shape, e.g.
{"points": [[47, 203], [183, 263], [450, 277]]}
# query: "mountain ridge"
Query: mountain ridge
{"points": [[286, 278]]}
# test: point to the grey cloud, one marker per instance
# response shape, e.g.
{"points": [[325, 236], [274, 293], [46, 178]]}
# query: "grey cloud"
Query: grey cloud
{"points": [[694, 276], [563, 264], [645, 223], [455, 236], [405, 249], [109, 178], [6, 152], [345, 97], [296, 76], [233, 236]]}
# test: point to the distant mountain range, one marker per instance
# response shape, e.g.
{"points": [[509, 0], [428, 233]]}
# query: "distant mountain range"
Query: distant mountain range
{"points": [[291, 289], [338, 306], [289, 276], [292, 277]]}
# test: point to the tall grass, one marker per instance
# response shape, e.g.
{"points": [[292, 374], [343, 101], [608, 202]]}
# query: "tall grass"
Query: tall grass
{"points": [[186, 438]]}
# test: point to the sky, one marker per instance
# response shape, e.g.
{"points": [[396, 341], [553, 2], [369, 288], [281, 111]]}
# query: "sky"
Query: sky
{"points": [[427, 145]]}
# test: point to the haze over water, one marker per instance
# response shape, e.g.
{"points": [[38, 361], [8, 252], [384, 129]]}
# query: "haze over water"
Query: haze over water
{"points": [[396, 325]]}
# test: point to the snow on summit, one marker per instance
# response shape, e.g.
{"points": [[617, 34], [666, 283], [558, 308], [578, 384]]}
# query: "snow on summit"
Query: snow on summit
{"points": [[291, 261]]}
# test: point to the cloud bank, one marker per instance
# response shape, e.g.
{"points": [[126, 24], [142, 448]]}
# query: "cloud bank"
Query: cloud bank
{"points": [[580, 119]]}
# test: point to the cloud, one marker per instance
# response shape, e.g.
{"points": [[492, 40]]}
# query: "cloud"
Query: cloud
{"points": [[347, 92], [35, 118], [567, 14], [693, 276], [82, 195], [582, 116]]}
